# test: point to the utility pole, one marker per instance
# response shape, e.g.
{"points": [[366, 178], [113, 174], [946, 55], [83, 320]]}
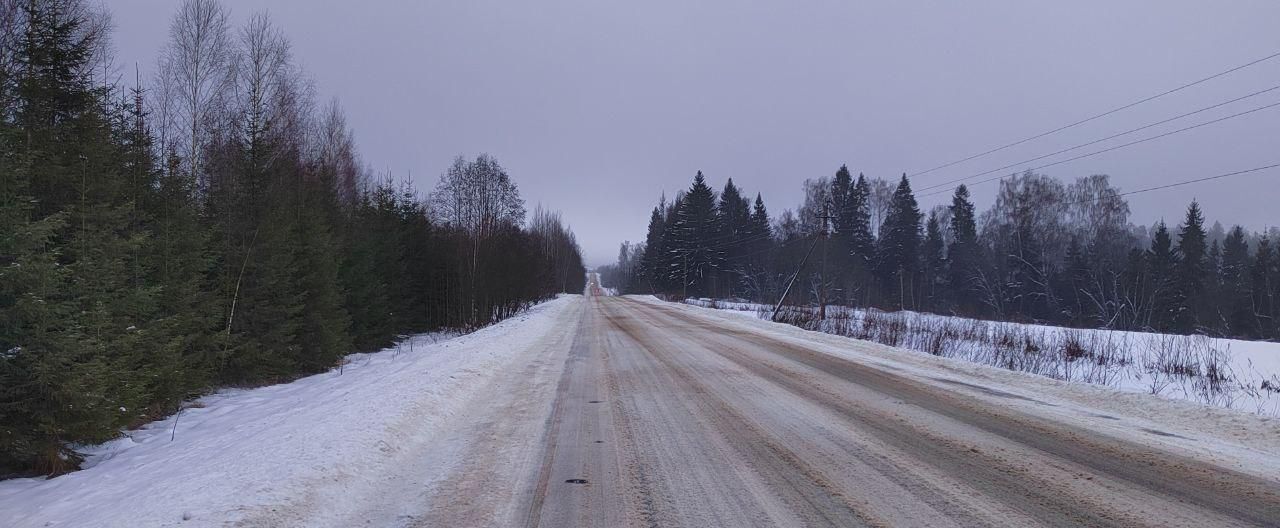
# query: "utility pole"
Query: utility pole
{"points": [[821, 236], [822, 270]]}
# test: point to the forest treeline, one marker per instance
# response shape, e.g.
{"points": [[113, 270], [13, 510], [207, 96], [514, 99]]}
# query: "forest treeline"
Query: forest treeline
{"points": [[215, 226], [1046, 251]]}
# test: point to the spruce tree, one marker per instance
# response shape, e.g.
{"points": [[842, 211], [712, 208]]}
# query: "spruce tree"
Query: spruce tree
{"points": [[758, 247], [962, 256], [854, 216], [857, 212], [898, 252], [696, 254], [1191, 270], [1264, 276], [81, 379], [1165, 295], [187, 321], [933, 263], [368, 289], [842, 187], [1237, 295], [324, 325], [35, 384], [653, 262], [733, 223]]}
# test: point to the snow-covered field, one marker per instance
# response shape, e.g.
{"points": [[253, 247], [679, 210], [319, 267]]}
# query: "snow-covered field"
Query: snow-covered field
{"points": [[1228, 373], [319, 440]]}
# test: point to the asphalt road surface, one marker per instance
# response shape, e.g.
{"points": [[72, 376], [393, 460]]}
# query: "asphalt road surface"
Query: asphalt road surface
{"points": [[656, 416]]}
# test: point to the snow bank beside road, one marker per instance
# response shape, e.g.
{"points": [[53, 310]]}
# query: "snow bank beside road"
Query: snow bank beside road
{"points": [[1220, 372], [319, 441], [1245, 442]]}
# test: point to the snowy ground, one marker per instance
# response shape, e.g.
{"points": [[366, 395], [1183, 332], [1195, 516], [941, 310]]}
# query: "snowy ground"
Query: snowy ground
{"points": [[321, 440], [1247, 373], [675, 413]]}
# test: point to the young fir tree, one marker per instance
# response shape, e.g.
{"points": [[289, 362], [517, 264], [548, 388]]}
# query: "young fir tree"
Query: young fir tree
{"points": [[324, 324], [34, 383], [188, 322], [368, 292], [78, 381]]}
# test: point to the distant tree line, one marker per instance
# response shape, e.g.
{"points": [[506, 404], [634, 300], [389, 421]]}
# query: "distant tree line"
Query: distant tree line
{"points": [[215, 228], [1049, 252]]}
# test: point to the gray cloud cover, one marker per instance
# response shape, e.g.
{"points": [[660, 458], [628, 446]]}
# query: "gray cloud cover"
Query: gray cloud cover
{"points": [[598, 107]]}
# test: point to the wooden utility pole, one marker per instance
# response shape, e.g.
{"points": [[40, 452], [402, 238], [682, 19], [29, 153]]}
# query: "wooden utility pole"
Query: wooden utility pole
{"points": [[793, 279], [822, 269], [821, 236]]}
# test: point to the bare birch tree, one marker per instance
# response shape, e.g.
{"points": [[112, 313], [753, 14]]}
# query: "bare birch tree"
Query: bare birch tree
{"points": [[197, 63], [336, 154], [261, 63]]}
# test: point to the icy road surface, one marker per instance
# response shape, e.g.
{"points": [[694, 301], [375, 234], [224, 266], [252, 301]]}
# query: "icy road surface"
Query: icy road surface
{"points": [[621, 411], [675, 417]]}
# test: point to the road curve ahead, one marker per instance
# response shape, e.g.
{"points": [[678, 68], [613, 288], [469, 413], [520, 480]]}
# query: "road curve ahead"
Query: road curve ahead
{"points": [[659, 416]]}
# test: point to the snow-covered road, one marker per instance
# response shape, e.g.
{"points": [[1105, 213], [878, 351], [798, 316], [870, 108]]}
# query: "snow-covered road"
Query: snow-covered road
{"points": [[622, 411]]}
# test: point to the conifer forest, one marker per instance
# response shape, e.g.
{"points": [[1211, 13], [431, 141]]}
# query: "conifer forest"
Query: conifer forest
{"points": [[1047, 251], [213, 226]]}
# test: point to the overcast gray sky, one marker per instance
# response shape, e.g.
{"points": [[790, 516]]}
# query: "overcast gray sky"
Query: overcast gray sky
{"points": [[598, 107]]}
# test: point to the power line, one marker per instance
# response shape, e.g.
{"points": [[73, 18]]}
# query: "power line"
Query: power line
{"points": [[1117, 147], [1178, 184], [724, 245], [1099, 116], [1113, 136]]}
